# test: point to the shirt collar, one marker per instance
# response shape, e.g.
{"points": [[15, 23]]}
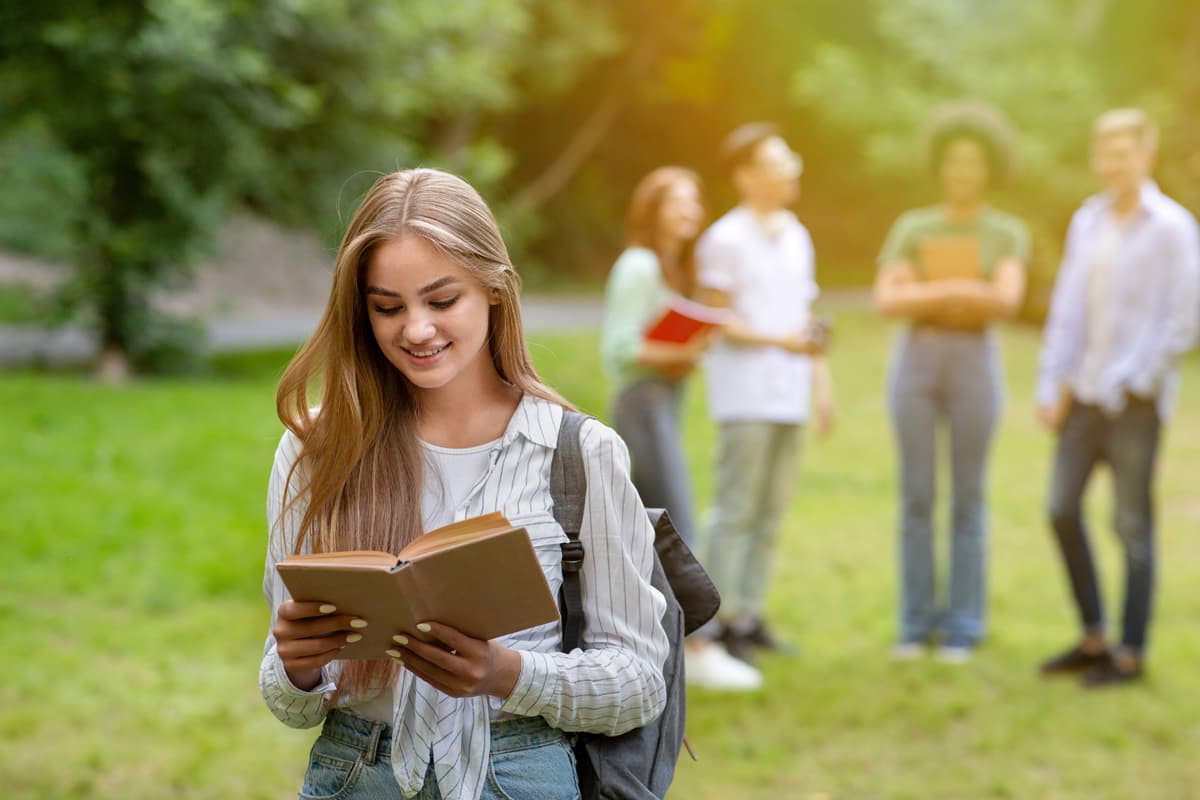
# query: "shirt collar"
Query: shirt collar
{"points": [[1149, 197], [535, 419]]}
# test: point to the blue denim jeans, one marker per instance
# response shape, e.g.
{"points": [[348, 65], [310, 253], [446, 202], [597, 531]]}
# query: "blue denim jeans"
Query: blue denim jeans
{"points": [[352, 760], [1128, 443], [954, 378], [646, 415]]}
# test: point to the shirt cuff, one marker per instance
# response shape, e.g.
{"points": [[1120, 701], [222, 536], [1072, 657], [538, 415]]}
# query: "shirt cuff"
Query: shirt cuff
{"points": [[536, 686], [323, 689], [1144, 385], [1048, 393]]}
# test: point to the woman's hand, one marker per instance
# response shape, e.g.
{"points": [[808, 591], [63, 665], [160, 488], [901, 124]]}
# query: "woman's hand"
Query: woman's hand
{"points": [[458, 665], [310, 635]]}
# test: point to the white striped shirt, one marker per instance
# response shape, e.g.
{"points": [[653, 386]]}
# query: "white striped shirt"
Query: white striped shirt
{"points": [[612, 685]]}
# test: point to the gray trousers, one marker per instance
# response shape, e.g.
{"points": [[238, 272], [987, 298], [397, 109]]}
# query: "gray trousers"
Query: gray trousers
{"points": [[646, 414], [756, 470]]}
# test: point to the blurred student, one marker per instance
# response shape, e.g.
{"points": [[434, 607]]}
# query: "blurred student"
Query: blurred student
{"points": [[757, 261], [431, 412], [1124, 310], [665, 216], [950, 270]]}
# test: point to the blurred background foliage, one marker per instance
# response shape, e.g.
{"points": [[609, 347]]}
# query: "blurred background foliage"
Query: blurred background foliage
{"points": [[129, 131]]}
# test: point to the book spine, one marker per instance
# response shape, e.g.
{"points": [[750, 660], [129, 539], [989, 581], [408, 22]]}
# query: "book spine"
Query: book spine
{"points": [[414, 600]]}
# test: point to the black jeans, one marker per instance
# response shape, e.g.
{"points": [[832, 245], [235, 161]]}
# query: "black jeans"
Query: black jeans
{"points": [[1128, 443]]}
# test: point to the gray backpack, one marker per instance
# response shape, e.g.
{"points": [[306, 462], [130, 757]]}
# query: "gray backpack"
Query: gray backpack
{"points": [[640, 764]]}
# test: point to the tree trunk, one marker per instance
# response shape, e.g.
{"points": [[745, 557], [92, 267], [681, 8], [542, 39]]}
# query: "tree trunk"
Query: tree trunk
{"points": [[587, 136]]}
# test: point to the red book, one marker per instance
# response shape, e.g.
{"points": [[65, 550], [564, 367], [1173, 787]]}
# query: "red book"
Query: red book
{"points": [[683, 320]]}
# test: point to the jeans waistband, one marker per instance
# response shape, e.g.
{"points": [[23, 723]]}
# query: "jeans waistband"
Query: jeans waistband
{"points": [[931, 327], [374, 739]]}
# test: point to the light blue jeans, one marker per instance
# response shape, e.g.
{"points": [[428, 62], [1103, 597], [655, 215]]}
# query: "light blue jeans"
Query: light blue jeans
{"points": [[352, 760], [940, 376], [756, 477]]}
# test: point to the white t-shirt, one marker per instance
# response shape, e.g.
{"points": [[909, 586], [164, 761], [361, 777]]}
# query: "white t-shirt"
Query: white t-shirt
{"points": [[767, 270], [451, 475]]}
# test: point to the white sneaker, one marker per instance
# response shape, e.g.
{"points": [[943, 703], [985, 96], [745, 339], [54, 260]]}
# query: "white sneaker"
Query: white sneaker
{"points": [[952, 654], [907, 651], [709, 666]]}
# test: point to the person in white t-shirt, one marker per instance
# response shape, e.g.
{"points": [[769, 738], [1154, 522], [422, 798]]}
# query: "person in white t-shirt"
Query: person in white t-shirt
{"points": [[430, 412], [757, 260]]}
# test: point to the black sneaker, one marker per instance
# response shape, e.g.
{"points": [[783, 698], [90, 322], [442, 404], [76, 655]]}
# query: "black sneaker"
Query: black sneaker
{"points": [[1074, 661], [737, 644], [1109, 674], [761, 637]]}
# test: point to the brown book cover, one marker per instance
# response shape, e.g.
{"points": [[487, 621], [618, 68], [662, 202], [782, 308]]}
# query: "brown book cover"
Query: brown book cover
{"points": [[480, 575], [951, 257]]}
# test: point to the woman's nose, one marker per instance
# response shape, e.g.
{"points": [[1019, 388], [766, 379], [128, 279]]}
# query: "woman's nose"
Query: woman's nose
{"points": [[419, 329]]}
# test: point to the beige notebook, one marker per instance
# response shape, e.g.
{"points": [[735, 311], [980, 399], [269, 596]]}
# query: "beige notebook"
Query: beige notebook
{"points": [[950, 257], [480, 576]]}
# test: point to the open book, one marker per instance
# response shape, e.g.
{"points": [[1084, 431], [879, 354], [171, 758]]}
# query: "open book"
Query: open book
{"points": [[944, 257], [685, 319], [480, 575]]}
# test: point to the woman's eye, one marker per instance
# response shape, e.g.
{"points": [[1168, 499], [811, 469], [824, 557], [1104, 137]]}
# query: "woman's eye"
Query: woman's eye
{"points": [[387, 311], [442, 305]]}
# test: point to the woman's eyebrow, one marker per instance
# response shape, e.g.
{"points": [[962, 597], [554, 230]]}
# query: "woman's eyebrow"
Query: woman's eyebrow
{"points": [[438, 284], [433, 287]]}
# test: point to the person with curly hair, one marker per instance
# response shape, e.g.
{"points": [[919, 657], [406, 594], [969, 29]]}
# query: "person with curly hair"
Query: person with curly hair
{"points": [[950, 270]]}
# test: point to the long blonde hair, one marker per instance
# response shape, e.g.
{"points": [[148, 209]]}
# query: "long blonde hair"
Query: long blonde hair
{"points": [[358, 477]]}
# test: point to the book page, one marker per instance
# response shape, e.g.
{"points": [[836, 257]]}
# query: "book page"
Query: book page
{"points": [[366, 559], [456, 533]]}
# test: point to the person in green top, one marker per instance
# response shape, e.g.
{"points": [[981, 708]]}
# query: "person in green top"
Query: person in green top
{"points": [[950, 270], [665, 217]]}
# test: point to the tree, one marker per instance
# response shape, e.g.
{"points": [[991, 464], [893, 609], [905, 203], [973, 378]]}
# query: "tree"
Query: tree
{"points": [[175, 110]]}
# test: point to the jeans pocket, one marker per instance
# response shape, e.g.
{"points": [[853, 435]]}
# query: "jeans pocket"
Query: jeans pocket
{"points": [[543, 772], [333, 769]]}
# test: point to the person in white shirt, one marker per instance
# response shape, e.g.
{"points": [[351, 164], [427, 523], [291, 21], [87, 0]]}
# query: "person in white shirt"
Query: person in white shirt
{"points": [[430, 412], [757, 261], [1123, 313]]}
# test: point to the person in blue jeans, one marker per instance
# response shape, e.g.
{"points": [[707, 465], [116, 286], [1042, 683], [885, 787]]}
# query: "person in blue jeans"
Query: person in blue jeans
{"points": [[430, 411], [1124, 310], [950, 270], [655, 269]]}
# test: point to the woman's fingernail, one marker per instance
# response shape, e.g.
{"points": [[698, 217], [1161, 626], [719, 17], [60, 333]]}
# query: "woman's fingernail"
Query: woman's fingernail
{"points": [[398, 639], [328, 609], [358, 623], [354, 637], [424, 627], [396, 654]]}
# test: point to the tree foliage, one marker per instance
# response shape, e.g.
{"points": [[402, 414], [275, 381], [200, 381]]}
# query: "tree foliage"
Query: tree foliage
{"points": [[130, 129]]}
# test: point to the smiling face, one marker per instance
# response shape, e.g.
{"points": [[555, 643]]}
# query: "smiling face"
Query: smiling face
{"points": [[428, 314], [681, 213]]}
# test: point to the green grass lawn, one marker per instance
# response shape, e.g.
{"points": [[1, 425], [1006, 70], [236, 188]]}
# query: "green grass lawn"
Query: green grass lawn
{"points": [[131, 617]]}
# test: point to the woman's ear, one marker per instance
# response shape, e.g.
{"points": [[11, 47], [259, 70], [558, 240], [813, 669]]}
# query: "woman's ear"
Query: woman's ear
{"points": [[493, 297]]}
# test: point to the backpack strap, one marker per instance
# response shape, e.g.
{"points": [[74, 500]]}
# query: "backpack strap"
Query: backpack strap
{"points": [[568, 488]]}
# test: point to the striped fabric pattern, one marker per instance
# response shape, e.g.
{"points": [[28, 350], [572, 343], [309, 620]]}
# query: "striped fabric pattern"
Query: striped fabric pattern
{"points": [[612, 685]]}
